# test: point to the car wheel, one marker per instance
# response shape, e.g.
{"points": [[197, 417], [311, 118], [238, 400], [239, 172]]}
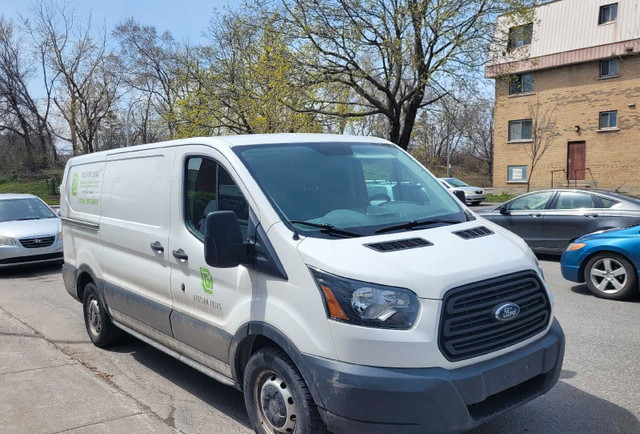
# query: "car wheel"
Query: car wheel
{"points": [[277, 399], [100, 328], [476, 203], [609, 275]]}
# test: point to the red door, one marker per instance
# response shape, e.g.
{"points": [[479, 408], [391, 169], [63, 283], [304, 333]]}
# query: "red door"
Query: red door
{"points": [[576, 161]]}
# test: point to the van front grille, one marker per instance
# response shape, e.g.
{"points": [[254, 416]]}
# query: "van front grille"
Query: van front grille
{"points": [[469, 328], [36, 242]]}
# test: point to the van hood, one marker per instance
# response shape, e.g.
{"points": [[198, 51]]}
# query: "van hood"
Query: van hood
{"points": [[29, 228], [428, 271]]}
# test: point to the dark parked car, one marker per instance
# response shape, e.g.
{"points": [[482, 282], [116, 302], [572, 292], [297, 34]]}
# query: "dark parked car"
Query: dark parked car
{"points": [[548, 220]]}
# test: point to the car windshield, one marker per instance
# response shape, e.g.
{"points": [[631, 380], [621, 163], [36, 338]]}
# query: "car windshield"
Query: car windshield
{"points": [[456, 182], [24, 209], [359, 187]]}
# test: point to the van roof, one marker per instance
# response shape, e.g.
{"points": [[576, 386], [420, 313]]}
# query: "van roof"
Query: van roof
{"points": [[235, 140]]}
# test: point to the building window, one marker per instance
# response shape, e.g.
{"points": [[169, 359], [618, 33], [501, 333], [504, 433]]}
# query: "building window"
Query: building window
{"points": [[520, 83], [608, 13], [517, 173], [608, 120], [609, 68], [519, 36], [520, 130]]}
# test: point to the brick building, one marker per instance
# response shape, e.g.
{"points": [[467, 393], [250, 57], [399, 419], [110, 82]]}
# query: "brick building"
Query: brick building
{"points": [[571, 75]]}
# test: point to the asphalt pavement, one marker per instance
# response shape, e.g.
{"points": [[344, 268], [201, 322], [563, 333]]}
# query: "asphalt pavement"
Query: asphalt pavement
{"points": [[52, 379]]}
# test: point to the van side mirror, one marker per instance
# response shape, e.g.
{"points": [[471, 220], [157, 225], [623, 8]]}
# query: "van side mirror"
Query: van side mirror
{"points": [[504, 210], [460, 195], [223, 243]]}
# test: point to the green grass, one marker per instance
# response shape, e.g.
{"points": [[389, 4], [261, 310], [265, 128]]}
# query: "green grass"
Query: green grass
{"points": [[499, 198], [38, 187]]}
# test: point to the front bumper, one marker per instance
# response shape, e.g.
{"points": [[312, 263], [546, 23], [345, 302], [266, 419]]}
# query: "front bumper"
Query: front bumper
{"points": [[571, 273], [364, 399], [472, 197], [13, 256]]}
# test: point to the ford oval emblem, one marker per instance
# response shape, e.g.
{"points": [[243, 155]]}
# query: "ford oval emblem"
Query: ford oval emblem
{"points": [[506, 311]]}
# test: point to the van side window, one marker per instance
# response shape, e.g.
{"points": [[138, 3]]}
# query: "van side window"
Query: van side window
{"points": [[208, 188]]}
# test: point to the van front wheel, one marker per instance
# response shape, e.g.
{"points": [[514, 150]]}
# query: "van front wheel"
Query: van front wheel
{"points": [[102, 331], [278, 400]]}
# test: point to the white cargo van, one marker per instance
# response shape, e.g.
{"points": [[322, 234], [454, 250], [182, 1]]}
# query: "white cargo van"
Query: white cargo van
{"points": [[332, 279]]}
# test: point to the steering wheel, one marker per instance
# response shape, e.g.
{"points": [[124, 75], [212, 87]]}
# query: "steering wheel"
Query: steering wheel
{"points": [[379, 196]]}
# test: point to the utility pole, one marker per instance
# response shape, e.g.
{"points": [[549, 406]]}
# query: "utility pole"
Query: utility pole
{"points": [[448, 149]]}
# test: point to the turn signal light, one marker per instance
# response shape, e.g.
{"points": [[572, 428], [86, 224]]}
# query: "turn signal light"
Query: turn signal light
{"points": [[576, 246], [332, 304]]}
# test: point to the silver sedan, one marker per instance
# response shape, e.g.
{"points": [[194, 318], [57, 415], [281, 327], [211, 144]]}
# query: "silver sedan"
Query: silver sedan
{"points": [[473, 195], [30, 232]]}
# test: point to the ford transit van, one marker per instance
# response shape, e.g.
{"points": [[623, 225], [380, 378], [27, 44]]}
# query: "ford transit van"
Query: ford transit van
{"points": [[332, 279]]}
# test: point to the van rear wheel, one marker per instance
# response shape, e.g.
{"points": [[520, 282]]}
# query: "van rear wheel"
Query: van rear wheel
{"points": [[100, 328], [277, 399]]}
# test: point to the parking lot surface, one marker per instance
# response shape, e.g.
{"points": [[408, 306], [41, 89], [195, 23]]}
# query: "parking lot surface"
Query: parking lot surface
{"points": [[52, 379]]}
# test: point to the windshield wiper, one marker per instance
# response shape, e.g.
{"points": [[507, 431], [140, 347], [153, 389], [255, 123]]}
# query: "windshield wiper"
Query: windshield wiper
{"points": [[27, 218], [327, 228], [415, 223]]}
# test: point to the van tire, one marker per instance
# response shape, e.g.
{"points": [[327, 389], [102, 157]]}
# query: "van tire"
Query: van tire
{"points": [[271, 368], [100, 328], [619, 268]]}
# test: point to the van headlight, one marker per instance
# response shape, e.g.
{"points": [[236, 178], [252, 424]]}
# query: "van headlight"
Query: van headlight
{"points": [[367, 304], [7, 241], [540, 268]]}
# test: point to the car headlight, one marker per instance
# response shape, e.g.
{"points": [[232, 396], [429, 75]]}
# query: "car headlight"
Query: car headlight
{"points": [[575, 246], [367, 304], [7, 241], [60, 236]]}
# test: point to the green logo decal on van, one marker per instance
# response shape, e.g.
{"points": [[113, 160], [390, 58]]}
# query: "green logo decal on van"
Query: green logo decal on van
{"points": [[74, 185], [207, 280]]}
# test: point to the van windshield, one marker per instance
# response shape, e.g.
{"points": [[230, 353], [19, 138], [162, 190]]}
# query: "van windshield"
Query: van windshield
{"points": [[358, 188]]}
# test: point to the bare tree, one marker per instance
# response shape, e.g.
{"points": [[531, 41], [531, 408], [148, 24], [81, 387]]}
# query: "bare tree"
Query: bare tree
{"points": [[543, 134], [395, 57], [20, 112], [478, 131], [149, 63], [88, 86]]}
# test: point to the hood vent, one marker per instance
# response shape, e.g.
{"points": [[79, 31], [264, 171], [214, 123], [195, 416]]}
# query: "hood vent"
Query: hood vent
{"points": [[392, 246], [468, 234]]}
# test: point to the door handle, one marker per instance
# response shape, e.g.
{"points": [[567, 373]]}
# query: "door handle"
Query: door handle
{"points": [[591, 215], [180, 255], [535, 215], [157, 247]]}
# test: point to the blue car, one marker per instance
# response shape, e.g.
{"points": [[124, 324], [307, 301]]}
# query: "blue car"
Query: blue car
{"points": [[607, 261]]}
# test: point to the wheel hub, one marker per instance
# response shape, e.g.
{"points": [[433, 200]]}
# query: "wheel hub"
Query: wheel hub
{"points": [[95, 323], [276, 405], [608, 275]]}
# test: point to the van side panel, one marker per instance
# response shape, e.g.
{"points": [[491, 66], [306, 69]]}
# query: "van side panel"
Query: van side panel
{"points": [[136, 214], [80, 209]]}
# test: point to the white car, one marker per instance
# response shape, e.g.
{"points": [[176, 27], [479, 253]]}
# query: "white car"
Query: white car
{"points": [[315, 274], [30, 232], [473, 195]]}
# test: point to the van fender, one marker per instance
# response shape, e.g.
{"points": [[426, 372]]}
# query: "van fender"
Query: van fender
{"points": [[82, 274], [241, 348]]}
